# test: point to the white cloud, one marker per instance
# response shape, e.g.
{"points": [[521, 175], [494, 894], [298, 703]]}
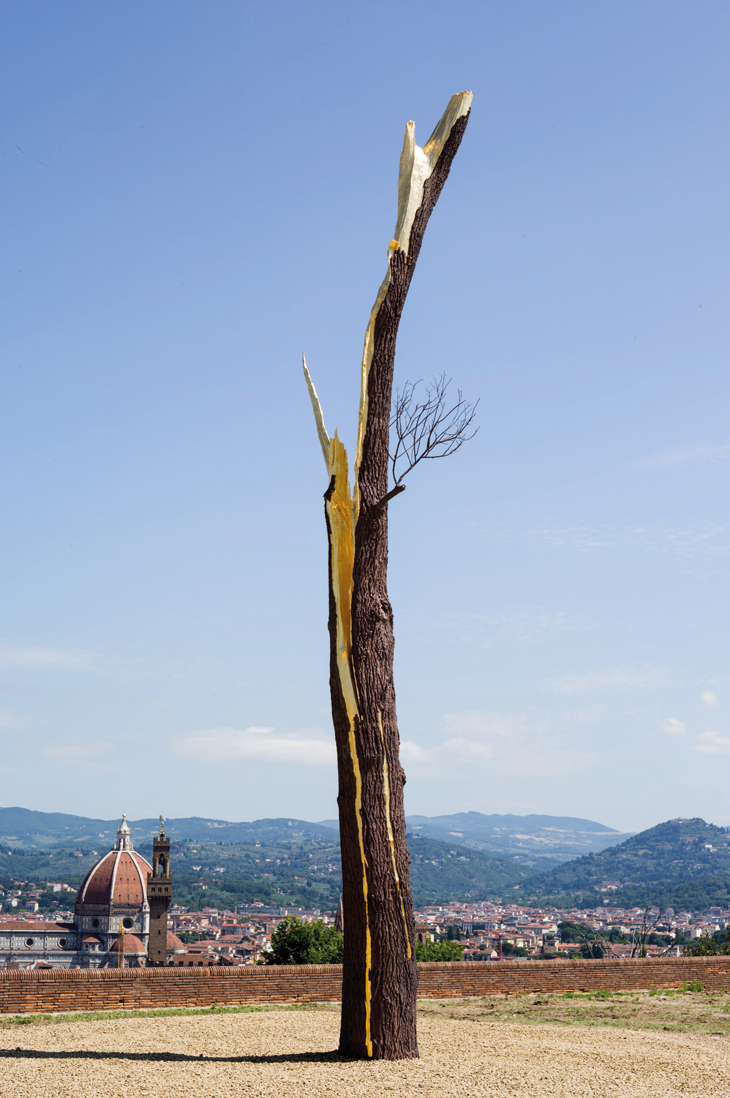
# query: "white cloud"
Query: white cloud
{"points": [[255, 744], [700, 452], [672, 727], [709, 699], [501, 744], [30, 658], [617, 678], [712, 743]]}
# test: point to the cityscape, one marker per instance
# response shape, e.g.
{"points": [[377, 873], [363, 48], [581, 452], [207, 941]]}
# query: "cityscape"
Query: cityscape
{"points": [[125, 910], [211, 937]]}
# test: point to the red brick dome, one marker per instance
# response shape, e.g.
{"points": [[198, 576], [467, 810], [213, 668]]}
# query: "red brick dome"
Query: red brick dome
{"points": [[119, 878], [132, 944], [174, 943]]}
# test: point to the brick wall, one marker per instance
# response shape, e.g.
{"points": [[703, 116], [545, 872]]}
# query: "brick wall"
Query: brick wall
{"points": [[47, 991]]}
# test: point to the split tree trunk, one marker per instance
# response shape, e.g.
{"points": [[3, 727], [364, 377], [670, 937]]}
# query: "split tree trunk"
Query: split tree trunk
{"points": [[380, 974]]}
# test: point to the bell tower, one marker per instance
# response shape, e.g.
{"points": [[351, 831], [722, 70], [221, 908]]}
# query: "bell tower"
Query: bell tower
{"points": [[159, 895]]}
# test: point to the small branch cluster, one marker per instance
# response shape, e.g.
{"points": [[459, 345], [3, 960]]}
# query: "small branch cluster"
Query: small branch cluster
{"points": [[428, 428], [651, 918]]}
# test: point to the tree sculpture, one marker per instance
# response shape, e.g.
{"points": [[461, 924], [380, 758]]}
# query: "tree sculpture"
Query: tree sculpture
{"points": [[380, 974]]}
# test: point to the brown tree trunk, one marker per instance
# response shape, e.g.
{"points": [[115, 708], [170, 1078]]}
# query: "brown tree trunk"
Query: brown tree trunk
{"points": [[380, 974]]}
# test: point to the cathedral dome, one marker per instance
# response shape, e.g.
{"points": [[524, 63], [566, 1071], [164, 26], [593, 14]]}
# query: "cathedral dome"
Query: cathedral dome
{"points": [[131, 944], [119, 878]]}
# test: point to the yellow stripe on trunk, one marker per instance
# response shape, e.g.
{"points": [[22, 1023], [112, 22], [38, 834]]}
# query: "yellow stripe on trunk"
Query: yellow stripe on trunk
{"points": [[341, 518]]}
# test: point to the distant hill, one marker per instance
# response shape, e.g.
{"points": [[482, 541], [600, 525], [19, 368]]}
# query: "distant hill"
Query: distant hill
{"points": [[445, 871], [680, 863], [538, 842], [284, 862], [25, 828]]}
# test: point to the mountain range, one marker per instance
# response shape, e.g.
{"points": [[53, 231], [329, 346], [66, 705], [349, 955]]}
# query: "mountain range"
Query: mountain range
{"points": [[540, 842], [281, 862], [27, 829], [536, 842], [681, 863]]}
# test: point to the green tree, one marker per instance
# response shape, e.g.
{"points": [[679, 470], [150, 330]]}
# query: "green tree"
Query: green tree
{"points": [[510, 950], [571, 932], [706, 946], [188, 936], [438, 951], [297, 943]]}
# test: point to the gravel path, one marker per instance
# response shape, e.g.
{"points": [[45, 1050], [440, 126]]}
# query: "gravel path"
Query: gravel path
{"points": [[283, 1054]]}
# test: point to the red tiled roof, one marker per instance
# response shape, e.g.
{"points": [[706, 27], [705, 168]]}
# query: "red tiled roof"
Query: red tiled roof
{"points": [[120, 878], [132, 944], [97, 883], [39, 928], [130, 883], [173, 942]]}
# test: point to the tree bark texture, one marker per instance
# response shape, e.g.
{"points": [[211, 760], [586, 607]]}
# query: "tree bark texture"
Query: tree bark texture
{"points": [[380, 974]]}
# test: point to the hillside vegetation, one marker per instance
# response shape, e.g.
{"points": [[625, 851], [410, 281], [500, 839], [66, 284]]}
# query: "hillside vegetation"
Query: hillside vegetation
{"points": [[295, 871], [539, 842], [684, 864], [440, 871], [680, 864]]}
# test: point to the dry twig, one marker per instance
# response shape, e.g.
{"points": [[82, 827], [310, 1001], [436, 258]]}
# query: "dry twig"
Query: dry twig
{"points": [[428, 428]]}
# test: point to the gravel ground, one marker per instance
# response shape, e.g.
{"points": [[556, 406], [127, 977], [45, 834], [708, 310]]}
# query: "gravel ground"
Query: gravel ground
{"points": [[287, 1054], [705, 1012]]}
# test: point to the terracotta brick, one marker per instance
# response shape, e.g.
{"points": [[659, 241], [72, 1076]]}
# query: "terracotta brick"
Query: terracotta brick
{"points": [[45, 991]]}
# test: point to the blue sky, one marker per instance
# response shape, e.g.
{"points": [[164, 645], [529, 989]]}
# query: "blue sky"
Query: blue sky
{"points": [[193, 195]]}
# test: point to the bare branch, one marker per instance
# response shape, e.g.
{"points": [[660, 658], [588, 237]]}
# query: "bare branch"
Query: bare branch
{"points": [[428, 428], [386, 499], [648, 926]]}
